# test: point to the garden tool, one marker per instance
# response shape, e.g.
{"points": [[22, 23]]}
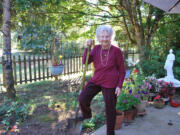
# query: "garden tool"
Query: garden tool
{"points": [[74, 125]]}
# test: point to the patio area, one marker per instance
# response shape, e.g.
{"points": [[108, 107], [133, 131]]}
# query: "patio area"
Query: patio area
{"points": [[164, 121]]}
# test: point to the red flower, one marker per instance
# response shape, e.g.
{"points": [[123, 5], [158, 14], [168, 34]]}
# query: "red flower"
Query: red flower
{"points": [[136, 71], [157, 97]]}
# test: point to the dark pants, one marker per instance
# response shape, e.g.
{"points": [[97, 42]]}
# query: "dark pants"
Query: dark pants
{"points": [[110, 98]]}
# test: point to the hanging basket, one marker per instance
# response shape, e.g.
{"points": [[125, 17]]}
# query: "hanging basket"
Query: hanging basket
{"points": [[56, 70]]}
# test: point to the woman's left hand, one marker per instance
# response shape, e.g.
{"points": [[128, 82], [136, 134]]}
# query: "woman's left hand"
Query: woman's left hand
{"points": [[117, 91]]}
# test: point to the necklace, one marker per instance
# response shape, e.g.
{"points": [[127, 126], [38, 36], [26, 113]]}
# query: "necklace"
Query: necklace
{"points": [[105, 56]]}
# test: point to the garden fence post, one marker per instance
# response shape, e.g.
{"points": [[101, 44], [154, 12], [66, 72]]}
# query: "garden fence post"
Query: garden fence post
{"points": [[20, 71], [14, 69], [25, 69], [30, 72]]}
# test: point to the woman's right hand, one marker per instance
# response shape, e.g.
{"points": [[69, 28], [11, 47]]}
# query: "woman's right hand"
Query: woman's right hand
{"points": [[89, 43]]}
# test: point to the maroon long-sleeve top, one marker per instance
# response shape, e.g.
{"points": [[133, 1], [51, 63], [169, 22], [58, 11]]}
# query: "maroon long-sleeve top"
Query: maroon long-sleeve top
{"points": [[109, 66]]}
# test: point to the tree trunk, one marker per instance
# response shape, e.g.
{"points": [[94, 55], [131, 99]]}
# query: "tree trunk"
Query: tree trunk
{"points": [[140, 44], [9, 79]]}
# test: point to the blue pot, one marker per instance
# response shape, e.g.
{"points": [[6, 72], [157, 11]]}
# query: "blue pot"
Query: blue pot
{"points": [[56, 70]]}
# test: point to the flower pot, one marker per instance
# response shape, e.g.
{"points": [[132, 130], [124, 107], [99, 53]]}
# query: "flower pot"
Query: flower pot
{"points": [[56, 70], [141, 107], [129, 115], [119, 119], [159, 103]]}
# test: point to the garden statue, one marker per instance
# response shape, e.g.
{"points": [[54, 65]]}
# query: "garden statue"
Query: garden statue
{"points": [[169, 64], [169, 68]]}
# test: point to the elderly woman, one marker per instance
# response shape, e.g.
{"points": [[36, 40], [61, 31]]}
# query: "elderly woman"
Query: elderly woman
{"points": [[108, 76]]}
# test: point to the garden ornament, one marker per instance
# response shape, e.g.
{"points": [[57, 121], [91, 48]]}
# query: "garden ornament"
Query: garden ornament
{"points": [[169, 69]]}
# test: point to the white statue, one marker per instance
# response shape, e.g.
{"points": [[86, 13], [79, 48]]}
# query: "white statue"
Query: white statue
{"points": [[169, 68], [169, 64]]}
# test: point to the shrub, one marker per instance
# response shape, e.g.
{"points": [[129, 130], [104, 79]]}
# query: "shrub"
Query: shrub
{"points": [[12, 112], [153, 63]]}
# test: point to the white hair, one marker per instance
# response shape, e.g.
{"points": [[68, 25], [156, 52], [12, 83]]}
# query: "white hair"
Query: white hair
{"points": [[104, 28]]}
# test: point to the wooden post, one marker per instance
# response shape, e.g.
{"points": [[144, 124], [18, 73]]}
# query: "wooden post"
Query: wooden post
{"points": [[14, 68], [25, 71], [74, 64], [55, 58], [71, 64], [30, 72], [68, 64], [47, 60], [39, 68], [43, 67], [79, 63], [64, 64], [20, 70], [34, 62]]}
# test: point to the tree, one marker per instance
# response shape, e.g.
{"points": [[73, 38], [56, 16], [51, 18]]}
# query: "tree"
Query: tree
{"points": [[144, 26], [135, 20], [7, 50], [138, 20]]}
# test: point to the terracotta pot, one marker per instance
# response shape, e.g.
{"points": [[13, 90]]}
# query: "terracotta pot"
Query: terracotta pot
{"points": [[129, 115], [119, 119]]}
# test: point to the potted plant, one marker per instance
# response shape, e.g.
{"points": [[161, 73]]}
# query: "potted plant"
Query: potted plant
{"points": [[126, 102], [119, 119], [56, 67], [143, 94], [167, 90], [159, 103], [140, 88]]}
